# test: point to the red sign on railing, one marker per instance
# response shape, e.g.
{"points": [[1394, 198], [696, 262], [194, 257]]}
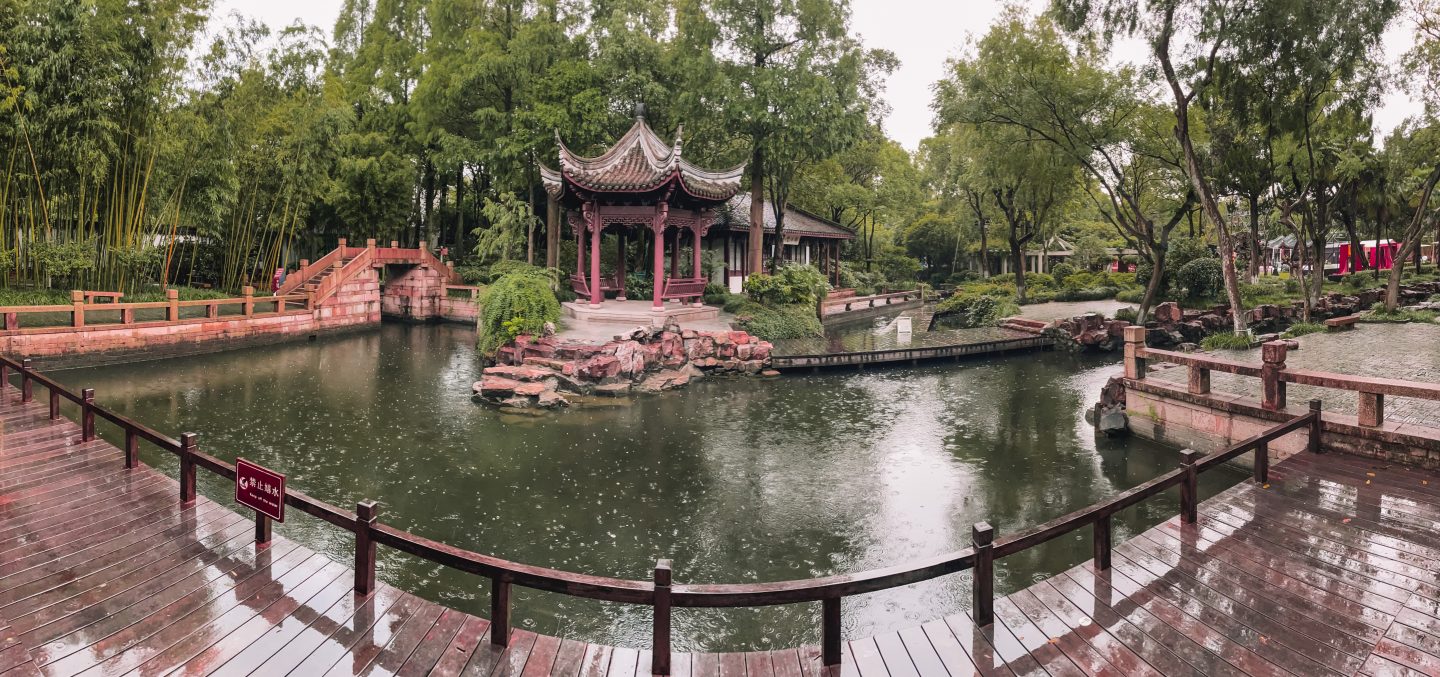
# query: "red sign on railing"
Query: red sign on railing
{"points": [[260, 488]]}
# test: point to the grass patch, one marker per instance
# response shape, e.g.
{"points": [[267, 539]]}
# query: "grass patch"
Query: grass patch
{"points": [[1379, 314], [1226, 341], [1303, 328], [779, 322]]}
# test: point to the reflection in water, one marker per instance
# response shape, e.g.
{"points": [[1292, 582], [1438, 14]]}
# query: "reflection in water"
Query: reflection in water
{"points": [[736, 480]]}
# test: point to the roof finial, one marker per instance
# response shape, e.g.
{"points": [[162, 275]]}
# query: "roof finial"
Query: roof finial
{"points": [[640, 111]]}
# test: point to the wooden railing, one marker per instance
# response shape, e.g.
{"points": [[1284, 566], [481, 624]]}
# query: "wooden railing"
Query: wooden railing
{"points": [[661, 592], [1273, 375], [172, 305]]}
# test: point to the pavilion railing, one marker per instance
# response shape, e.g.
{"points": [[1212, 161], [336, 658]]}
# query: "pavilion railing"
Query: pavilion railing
{"points": [[172, 305], [661, 592], [1273, 375]]}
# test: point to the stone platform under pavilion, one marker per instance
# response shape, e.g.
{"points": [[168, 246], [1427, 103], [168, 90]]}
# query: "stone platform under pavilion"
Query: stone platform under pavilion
{"points": [[581, 322]]}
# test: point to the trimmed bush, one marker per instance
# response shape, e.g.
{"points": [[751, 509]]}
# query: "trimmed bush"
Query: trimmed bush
{"points": [[519, 302], [1201, 277], [1060, 271], [715, 294], [1134, 295]]}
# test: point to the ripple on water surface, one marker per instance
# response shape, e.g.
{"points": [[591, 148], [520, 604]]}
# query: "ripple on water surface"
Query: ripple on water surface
{"points": [[736, 480]]}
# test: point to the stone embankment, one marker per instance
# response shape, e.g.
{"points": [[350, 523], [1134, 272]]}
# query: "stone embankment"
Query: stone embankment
{"points": [[546, 372], [1172, 326]]}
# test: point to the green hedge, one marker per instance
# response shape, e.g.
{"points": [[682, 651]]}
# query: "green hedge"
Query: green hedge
{"points": [[779, 322]]}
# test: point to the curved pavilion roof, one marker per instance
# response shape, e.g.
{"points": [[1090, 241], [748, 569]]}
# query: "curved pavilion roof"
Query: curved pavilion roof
{"points": [[639, 162]]}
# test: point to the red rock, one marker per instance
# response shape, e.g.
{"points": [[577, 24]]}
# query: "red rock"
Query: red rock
{"points": [[739, 337], [496, 385], [744, 350], [533, 389], [761, 351], [520, 372], [600, 366]]}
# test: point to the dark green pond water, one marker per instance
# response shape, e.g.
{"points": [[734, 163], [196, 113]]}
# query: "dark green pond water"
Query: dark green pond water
{"points": [[735, 480]]}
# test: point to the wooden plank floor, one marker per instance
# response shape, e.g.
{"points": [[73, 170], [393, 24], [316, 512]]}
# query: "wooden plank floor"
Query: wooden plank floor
{"points": [[1329, 570]]}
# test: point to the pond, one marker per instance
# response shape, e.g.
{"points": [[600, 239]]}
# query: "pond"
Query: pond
{"points": [[736, 480]]}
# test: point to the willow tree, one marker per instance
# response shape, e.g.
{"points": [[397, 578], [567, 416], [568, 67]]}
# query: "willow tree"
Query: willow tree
{"points": [[1202, 46], [1024, 77]]}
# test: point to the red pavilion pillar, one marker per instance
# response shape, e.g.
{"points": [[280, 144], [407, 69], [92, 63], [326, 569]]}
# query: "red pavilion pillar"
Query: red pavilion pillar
{"points": [[657, 227], [596, 295], [697, 230], [620, 263]]}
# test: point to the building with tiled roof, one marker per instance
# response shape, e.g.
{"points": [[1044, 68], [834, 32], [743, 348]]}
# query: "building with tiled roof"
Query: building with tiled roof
{"points": [[643, 183]]}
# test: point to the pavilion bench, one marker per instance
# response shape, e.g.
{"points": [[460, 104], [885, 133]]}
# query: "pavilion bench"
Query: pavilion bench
{"points": [[683, 287], [581, 285], [1341, 323]]}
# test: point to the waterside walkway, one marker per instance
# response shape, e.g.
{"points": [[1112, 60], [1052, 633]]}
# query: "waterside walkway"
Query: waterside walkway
{"points": [[1331, 568]]}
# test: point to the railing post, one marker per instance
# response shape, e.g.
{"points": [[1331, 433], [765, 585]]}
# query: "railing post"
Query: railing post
{"points": [[1189, 497], [54, 404], [1101, 542], [249, 307], [1372, 409], [499, 611], [1262, 463], [1134, 345], [87, 414], [366, 514], [280, 302], [187, 467], [1317, 424], [1273, 356], [982, 538], [132, 447], [262, 530], [830, 631], [394, 244], [370, 244], [660, 651], [172, 311], [27, 386], [1199, 380], [4, 382], [341, 246], [127, 315], [212, 310], [12, 321], [77, 301]]}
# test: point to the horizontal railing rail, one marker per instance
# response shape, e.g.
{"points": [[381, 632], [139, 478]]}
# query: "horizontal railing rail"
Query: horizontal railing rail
{"points": [[1273, 375], [79, 310], [661, 593]]}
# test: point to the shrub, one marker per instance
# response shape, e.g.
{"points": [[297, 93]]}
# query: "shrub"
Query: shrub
{"points": [[520, 302], [475, 275], [639, 286], [715, 294], [1303, 328], [962, 276], [780, 322], [734, 302], [64, 260], [897, 267], [974, 311], [1201, 277], [863, 282], [1060, 271], [1002, 278], [1226, 341], [794, 284], [1039, 280], [1133, 295], [1130, 315]]}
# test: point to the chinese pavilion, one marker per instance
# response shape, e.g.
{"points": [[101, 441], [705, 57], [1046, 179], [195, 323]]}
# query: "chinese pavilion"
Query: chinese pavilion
{"points": [[641, 182]]}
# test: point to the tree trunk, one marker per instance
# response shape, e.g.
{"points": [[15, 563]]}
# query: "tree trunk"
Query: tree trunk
{"points": [[755, 249], [1152, 288], [552, 232], [1017, 258], [1412, 239], [984, 252], [1254, 268]]}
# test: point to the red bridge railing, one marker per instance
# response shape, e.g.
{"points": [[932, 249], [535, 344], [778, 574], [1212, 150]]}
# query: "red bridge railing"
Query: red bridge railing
{"points": [[661, 592]]}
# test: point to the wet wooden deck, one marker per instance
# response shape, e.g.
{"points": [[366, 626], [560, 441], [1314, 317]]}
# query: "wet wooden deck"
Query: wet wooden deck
{"points": [[1332, 569]]}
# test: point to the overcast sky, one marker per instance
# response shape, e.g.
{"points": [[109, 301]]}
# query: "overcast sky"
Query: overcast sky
{"points": [[922, 33]]}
